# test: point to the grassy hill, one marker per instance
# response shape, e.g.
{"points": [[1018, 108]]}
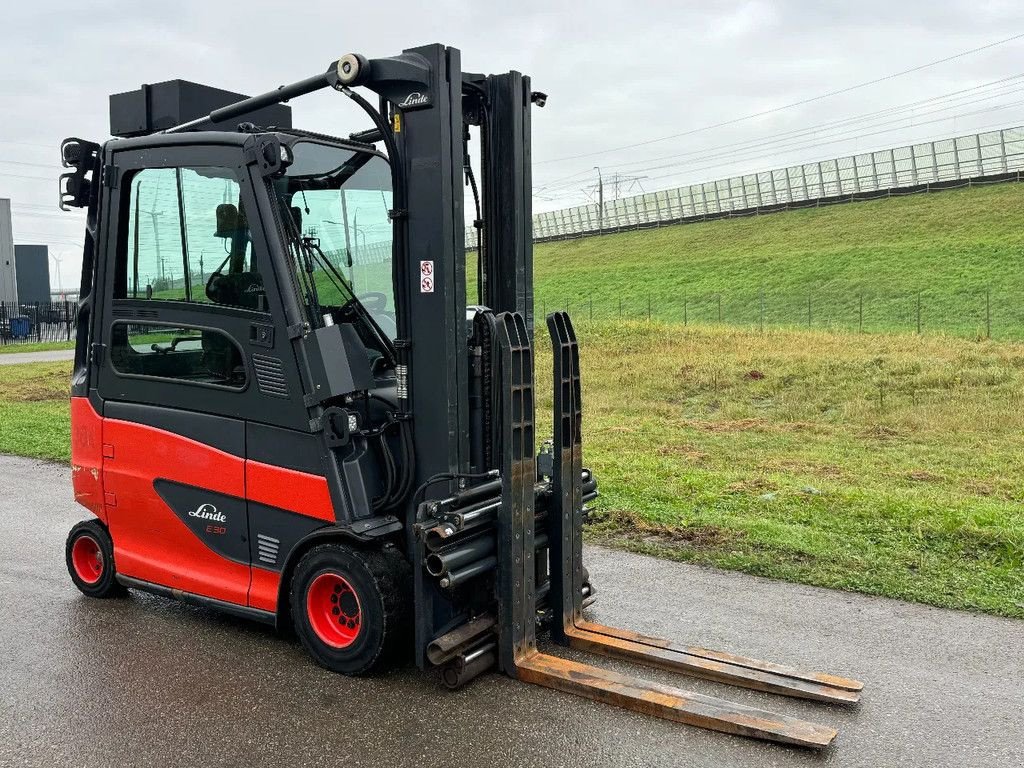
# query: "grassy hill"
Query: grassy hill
{"points": [[948, 248]]}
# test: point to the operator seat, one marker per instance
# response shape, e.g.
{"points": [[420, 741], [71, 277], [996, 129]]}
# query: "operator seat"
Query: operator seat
{"points": [[237, 287]]}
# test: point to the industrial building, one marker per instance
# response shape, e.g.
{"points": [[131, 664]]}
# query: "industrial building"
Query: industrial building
{"points": [[24, 269], [8, 270], [32, 269]]}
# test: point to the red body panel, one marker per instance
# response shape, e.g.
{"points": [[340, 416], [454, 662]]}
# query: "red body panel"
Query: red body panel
{"points": [[288, 489], [263, 589], [114, 465], [87, 456], [150, 542], [297, 492]]}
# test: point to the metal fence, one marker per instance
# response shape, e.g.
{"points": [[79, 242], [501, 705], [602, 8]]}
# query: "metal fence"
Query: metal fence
{"points": [[926, 166], [979, 311], [40, 321]]}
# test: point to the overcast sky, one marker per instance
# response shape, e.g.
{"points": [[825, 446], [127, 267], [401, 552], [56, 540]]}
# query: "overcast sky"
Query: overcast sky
{"points": [[618, 74]]}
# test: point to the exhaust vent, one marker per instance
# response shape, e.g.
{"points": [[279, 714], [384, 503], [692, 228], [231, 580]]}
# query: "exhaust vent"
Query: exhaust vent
{"points": [[270, 375], [267, 548]]}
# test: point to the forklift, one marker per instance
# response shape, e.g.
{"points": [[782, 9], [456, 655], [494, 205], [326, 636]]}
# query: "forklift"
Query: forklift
{"points": [[285, 406]]}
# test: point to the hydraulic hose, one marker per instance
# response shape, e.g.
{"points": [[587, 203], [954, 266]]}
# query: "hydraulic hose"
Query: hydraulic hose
{"points": [[400, 282]]}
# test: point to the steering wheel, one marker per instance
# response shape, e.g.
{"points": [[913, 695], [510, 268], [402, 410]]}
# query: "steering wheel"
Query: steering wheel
{"points": [[374, 301]]}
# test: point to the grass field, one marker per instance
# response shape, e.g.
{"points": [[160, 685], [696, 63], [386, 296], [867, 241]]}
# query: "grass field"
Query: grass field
{"points": [[890, 464], [36, 346], [950, 249], [34, 410]]}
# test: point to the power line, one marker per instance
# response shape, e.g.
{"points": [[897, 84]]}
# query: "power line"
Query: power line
{"points": [[51, 147], [924, 140], [1000, 87], [825, 143], [813, 130], [799, 103], [837, 131], [54, 165], [787, 145]]}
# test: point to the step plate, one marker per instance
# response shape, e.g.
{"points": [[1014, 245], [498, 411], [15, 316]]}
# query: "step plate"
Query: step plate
{"points": [[668, 702]]}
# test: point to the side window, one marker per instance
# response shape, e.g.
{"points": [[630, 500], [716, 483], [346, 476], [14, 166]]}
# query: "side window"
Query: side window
{"points": [[186, 238], [183, 353]]}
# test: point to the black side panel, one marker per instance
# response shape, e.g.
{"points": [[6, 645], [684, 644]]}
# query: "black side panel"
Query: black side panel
{"points": [[217, 519], [274, 533], [286, 448], [224, 434]]}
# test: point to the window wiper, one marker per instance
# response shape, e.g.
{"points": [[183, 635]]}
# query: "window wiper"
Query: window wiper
{"points": [[305, 263], [352, 300]]}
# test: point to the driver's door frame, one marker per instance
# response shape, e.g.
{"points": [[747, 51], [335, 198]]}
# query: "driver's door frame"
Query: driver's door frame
{"points": [[174, 466]]}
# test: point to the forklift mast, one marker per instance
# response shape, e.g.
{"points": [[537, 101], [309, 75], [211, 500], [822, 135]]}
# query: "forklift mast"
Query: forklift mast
{"points": [[267, 431]]}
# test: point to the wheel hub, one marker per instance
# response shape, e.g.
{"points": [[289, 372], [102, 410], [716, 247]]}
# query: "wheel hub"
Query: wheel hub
{"points": [[332, 606], [87, 559]]}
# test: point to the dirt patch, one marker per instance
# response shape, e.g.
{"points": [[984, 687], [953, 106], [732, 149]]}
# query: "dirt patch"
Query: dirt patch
{"points": [[620, 429], [924, 476], [37, 392], [978, 488], [624, 525], [749, 425], [881, 432], [687, 452], [795, 467], [753, 485]]}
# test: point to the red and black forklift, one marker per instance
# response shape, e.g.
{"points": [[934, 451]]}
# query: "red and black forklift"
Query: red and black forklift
{"points": [[284, 406]]}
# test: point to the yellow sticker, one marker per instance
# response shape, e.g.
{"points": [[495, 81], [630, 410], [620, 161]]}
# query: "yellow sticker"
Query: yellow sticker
{"points": [[396, 121]]}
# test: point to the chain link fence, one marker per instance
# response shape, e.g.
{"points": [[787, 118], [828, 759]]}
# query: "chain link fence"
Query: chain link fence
{"points": [[982, 312]]}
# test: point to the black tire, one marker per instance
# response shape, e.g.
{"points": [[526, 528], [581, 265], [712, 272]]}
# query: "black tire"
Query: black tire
{"points": [[89, 555], [350, 607]]}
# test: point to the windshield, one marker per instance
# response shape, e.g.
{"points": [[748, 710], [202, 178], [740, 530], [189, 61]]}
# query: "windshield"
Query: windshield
{"points": [[339, 201]]}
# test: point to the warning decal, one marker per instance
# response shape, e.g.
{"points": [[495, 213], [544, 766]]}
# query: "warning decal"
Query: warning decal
{"points": [[426, 277]]}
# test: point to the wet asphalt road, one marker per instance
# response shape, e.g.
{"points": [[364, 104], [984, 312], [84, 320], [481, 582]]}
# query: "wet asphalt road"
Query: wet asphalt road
{"points": [[47, 356], [145, 681]]}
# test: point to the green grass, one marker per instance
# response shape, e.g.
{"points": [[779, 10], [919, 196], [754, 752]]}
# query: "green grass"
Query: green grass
{"points": [[36, 346], [889, 464], [952, 247], [34, 410]]}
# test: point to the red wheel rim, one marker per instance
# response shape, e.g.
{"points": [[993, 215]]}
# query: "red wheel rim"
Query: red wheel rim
{"points": [[87, 558], [333, 609]]}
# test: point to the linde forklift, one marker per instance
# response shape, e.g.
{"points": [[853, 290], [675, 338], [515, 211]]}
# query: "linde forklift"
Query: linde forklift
{"points": [[284, 406]]}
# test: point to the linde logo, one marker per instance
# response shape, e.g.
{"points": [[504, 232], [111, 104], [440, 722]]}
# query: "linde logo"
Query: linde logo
{"points": [[208, 512], [416, 99]]}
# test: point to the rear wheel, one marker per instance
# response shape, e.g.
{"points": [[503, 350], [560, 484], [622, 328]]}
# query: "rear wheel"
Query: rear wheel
{"points": [[349, 607], [89, 553]]}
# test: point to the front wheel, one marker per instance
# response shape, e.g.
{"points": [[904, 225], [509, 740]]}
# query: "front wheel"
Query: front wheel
{"points": [[349, 607], [89, 553]]}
